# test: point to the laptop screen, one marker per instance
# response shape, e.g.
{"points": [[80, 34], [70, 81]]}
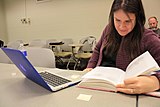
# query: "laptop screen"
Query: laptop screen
{"points": [[25, 66]]}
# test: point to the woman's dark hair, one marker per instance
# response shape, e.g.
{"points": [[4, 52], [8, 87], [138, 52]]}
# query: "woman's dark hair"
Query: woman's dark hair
{"points": [[132, 40]]}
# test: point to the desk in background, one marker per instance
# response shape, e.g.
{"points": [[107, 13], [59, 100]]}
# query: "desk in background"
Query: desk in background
{"points": [[55, 45], [75, 48], [17, 91]]}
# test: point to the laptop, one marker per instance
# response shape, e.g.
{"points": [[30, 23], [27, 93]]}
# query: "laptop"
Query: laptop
{"points": [[47, 79]]}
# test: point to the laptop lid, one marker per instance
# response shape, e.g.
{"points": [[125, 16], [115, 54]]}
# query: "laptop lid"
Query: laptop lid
{"points": [[28, 70], [25, 66]]}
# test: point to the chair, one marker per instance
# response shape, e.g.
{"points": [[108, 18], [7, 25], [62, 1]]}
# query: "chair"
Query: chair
{"points": [[89, 43], [14, 44], [41, 57], [65, 47], [38, 43], [48, 44], [65, 52], [4, 58], [1, 43], [85, 52]]}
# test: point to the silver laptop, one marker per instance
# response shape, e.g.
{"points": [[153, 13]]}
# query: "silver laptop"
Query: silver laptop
{"points": [[49, 80]]}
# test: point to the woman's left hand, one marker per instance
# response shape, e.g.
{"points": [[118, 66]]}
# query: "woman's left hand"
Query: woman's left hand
{"points": [[139, 85]]}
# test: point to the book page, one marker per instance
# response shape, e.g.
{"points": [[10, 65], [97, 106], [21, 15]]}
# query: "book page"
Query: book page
{"points": [[111, 74], [142, 65]]}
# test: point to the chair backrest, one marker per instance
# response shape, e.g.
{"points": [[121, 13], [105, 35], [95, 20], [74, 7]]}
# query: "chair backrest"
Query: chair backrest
{"points": [[89, 44], [38, 43], [4, 58], [41, 57], [65, 47], [14, 44]]}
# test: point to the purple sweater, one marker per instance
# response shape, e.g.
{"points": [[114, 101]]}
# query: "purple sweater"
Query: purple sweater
{"points": [[150, 42]]}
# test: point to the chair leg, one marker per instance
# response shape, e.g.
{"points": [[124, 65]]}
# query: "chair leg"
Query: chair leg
{"points": [[76, 63], [68, 63], [70, 59]]}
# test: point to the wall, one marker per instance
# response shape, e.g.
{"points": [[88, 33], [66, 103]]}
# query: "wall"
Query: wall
{"points": [[56, 19], [59, 19], [151, 9], [3, 32]]}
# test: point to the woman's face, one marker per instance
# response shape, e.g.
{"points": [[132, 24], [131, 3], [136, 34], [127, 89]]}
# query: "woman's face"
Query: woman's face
{"points": [[124, 23]]}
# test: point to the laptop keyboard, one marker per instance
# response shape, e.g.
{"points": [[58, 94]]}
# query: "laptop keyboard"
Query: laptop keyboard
{"points": [[52, 79]]}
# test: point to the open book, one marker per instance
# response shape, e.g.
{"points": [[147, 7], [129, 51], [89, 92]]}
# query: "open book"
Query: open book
{"points": [[105, 78]]}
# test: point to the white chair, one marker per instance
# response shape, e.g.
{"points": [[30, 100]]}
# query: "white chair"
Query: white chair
{"points": [[89, 44], [14, 44], [41, 57], [65, 51], [38, 43], [85, 52], [65, 47], [4, 58]]}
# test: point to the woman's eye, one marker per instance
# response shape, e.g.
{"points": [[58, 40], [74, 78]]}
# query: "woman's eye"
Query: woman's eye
{"points": [[118, 20], [128, 21]]}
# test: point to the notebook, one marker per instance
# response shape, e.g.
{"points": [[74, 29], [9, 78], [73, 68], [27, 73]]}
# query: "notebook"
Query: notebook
{"points": [[47, 79]]}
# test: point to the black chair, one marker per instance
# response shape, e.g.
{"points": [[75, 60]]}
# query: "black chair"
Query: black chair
{"points": [[1, 43]]}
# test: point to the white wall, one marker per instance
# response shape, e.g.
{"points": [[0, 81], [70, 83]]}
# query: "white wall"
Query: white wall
{"points": [[3, 33], [56, 19], [62, 18], [152, 8]]}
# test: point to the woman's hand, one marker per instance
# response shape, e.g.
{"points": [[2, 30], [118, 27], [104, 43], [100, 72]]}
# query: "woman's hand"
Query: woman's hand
{"points": [[139, 85], [88, 69]]}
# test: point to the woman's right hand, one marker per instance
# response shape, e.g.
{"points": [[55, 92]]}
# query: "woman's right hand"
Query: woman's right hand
{"points": [[88, 69]]}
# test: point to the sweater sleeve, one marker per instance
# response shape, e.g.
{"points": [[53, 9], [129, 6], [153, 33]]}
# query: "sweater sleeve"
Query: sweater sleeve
{"points": [[152, 44]]}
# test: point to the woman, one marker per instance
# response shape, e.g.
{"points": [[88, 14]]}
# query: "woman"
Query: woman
{"points": [[125, 38]]}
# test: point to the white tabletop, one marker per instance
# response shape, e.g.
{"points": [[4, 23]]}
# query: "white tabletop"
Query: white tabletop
{"points": [[17, 91]]}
